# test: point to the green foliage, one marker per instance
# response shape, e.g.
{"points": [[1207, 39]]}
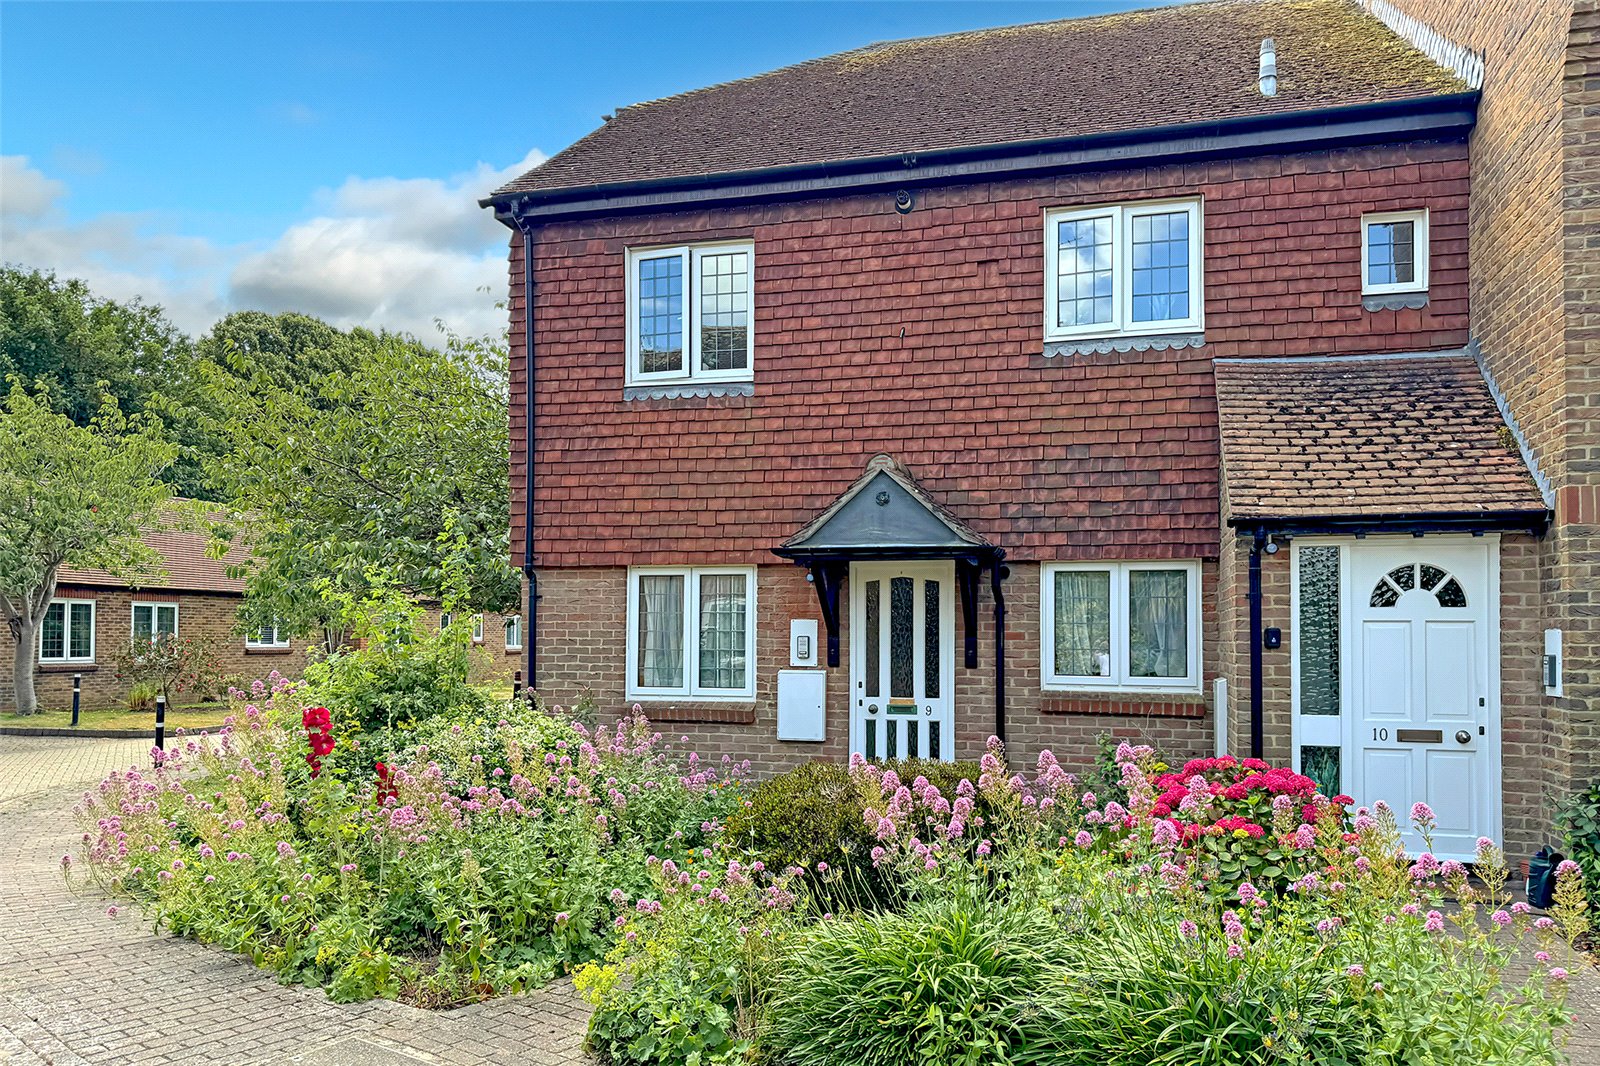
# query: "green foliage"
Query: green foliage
{"points": [[467, 868], [58, 338], [950, 980], [395, 673], [814, 814], [1578, 821], [346, 451], [70, 495]]}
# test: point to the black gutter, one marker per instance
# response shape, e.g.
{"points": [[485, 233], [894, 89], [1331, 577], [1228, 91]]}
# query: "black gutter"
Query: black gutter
{"points": [[530, 635], [1257, 696], [1416, 523], [998, 573], [1384, 121]]}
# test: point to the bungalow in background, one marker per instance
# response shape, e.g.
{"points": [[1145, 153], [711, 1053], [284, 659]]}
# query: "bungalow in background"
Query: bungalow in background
{"points": [[96, 614]]}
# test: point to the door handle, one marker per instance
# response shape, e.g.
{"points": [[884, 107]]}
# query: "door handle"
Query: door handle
{"points": [[1463, 737]]}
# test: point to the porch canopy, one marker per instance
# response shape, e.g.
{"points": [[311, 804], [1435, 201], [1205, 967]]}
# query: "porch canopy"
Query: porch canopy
{"points": [[884, 515], [1405, 443]]}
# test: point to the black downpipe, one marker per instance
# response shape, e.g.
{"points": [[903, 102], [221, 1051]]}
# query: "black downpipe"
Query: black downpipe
{"points": [[1257, 714], [996, 576], [531, 636]]}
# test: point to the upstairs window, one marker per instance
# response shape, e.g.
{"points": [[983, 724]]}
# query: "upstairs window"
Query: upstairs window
{"points": [[1394, 252], [153, 620], [1132, 269], [689, 313], [691, 633], [67, 635]]}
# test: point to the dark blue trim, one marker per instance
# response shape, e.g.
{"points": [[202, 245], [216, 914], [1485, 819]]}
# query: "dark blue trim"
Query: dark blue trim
{"points": [[1431, 117]]}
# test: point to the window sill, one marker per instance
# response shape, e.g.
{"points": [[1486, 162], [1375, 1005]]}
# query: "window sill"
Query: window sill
{"points": [[85, 666], [1129, 704], [741, 712], [1105, 345], [1394, 301], [285, 650], [678, 390]]}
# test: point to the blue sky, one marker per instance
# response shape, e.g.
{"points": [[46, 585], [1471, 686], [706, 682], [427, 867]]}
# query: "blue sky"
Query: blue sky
{"points": [[324, 156]]}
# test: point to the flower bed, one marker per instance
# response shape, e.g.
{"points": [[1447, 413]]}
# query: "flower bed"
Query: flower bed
{"points": [[1220, 913]]}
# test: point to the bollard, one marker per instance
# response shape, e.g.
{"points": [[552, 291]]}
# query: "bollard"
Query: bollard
{"points": [[161, 722], [77, 694], [516, 686]]}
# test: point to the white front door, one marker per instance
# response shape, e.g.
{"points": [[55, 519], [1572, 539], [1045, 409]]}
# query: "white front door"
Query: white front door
{"points": [[1423, 614], [902, 660]]}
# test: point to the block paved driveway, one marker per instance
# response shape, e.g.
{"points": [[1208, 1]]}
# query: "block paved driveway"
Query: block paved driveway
{"points": [[78, 987]]}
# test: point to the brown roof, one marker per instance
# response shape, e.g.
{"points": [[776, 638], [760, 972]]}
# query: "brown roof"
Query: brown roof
{"points": [[1109, 74], [1365, 436], [189, 569]]}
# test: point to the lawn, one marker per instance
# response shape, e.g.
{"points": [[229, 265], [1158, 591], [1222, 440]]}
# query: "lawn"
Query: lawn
{"points": [[193, 718]]}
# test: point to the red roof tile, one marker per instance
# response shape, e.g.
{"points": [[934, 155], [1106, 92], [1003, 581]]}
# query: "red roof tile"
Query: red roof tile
{"points": [[1365, 436], [188, 567], [1076, 77]]}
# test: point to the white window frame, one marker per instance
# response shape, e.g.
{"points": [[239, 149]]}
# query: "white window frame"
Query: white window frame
{"points": [[689, 256], [1118, 680], [477, 629], [155, 607], [691, 637], [1419, 251], [253, 640], [66, 655], [1122, 323], [513, 624]]}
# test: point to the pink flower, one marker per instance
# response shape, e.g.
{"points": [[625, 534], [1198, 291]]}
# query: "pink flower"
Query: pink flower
{"points": [[1421, 813], [1434, 922], [1355, 971], [1558, 974], [1082, 840]]}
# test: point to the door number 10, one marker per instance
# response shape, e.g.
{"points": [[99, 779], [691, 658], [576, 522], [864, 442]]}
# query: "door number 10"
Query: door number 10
{"points": [[1380, 734]]}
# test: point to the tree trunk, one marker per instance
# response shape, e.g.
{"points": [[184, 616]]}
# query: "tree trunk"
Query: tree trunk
{"points": [[27, 634]]}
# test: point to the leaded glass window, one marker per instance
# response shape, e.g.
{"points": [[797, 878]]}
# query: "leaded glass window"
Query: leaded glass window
{"points": [[722, 631], [1446, 589], [152, 620], [1317, 632], [932, 650], [902, 667], [1158, 623], [1127, 268], [690, 311], [1394, 252], [67, 632]]}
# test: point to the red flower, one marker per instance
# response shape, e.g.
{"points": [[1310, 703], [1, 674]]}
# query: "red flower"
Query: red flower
{"points": [[321, 743], [316, 718]]}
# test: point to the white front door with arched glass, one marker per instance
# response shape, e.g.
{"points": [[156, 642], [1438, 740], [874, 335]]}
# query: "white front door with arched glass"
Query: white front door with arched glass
{"points": [[902, 660], [1424, 646]]}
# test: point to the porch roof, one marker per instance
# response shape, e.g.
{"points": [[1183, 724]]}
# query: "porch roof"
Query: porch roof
{"points": [[1358, 443], [886, 514]]}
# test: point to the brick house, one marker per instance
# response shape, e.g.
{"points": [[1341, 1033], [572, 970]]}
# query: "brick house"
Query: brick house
{"points": [[884, 402], [94, 614]]}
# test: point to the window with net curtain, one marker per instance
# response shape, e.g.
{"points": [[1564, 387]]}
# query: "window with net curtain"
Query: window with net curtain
{"points": [[1115, 625], [692, 633]]}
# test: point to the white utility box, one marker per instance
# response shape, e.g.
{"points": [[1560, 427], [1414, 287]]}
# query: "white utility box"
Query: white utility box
{"points": [[802, 642], [802, 704]]}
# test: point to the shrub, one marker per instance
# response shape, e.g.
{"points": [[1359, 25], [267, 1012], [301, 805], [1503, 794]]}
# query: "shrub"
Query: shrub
{"points": [[814, 814], [1579, 823], [142, 696], [172, 666]]}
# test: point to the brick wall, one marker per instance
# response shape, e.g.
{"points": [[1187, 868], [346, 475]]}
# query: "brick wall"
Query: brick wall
{"points": [[921, 335], [582, 647], [212, 614]]}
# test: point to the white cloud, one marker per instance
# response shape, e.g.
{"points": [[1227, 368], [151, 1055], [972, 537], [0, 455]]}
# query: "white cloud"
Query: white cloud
{"points": [[390, 253]]}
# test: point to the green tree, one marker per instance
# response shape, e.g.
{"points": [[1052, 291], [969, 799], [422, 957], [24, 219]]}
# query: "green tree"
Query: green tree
{"points": [[391, 457], [71, 495], [57, 336]]}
